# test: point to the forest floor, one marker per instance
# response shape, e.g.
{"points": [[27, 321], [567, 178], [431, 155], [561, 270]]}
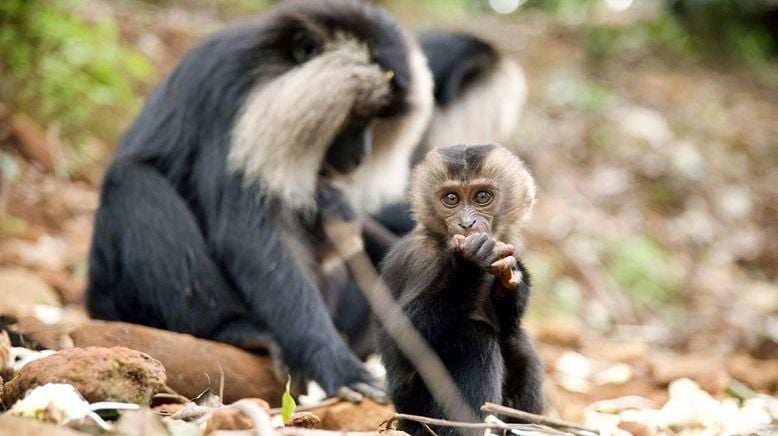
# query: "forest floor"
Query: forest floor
{"points": [[653, 248]]}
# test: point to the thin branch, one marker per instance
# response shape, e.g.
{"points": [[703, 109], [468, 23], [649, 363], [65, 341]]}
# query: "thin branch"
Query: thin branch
{"points": [[171, 394], [221, 382], [258, 416], [490, 425], [346, 237], [429, 429], [535, 419]]}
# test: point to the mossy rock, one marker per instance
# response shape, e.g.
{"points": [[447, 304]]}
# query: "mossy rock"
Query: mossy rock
{"points": [[99, 374]]}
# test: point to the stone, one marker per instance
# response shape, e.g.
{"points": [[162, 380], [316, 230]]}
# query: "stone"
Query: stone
{"points": [[141, 422], [303, 420], [758, 374], [228, 419], [708, 370], [99, 374], [364, 416], [31, 141], [5, 353], [15, 425], [20, 290], [563, 332], [188, 360]]}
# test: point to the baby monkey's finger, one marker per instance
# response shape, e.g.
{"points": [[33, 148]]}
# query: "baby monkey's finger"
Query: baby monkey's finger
{"points": [[473, 243], [502, 250], [456, 242], [505, 270]]}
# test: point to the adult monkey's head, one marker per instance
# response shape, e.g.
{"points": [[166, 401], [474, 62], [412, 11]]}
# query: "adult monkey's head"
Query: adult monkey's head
{"points": [[337, 84]]}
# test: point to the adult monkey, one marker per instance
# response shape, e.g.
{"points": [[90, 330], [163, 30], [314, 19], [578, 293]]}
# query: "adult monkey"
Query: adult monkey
{"points": [[209, 209]]}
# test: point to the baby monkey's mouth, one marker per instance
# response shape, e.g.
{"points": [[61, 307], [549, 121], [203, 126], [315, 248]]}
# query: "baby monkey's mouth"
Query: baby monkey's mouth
{"points": [[478, 227]]}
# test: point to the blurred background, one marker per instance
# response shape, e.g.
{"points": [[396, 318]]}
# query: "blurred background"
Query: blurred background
{"points": [[651, 127]]}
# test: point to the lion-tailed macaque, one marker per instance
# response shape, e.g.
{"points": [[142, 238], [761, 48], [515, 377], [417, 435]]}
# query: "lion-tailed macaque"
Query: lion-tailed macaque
{"points": [[458, 280]]}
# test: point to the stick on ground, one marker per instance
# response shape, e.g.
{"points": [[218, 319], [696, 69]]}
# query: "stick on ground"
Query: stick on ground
{"points": [[534, 428], [535, 419]]}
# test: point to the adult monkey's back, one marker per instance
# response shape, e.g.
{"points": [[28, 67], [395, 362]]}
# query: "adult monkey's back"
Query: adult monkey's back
{"points": [[206, 210]]}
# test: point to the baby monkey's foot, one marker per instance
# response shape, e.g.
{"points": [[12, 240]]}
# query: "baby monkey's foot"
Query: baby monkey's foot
{"points": [[490, 255]]}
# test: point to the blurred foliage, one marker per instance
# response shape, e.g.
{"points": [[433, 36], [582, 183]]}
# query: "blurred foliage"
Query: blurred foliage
{"points": [[664, 30], [643, 269], [743, 29], [546, 273], [59, 67]]}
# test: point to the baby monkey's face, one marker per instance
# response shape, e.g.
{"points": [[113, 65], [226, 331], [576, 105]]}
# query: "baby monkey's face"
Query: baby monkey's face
{"points": [[467, 208]]}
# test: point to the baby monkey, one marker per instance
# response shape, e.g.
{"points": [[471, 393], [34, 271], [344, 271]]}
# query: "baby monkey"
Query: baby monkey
{"points": [[457, 279]]}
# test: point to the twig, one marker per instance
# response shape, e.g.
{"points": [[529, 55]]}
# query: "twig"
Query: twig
{"points": [[170, 394], [221, 382], [348, 242], [535, 419], [429, 429], [491, 425], [259, 418]]}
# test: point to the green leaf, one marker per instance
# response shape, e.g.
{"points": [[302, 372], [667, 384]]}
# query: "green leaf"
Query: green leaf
{"points": [[287, 402]]}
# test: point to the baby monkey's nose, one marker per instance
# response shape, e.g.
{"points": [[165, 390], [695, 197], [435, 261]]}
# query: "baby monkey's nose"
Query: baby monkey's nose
{"points": [[467, 226]]}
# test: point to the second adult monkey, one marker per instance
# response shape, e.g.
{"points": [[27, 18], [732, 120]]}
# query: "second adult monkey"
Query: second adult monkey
{"points": [[457, 279], [206, 210]]}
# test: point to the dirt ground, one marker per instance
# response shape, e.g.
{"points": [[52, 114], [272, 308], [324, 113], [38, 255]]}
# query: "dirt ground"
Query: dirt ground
{"points": [[654, 245]]}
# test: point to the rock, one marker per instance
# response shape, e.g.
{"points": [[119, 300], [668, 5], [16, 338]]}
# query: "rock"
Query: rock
{"points": [[634, 352], [168, 409], [708, 370], [758, 374], [140, 423], [228, 419], [365, 416], [69, 286], [563, 332], [15, 425], [636, 428], [50, 336], [43, 252], [31, 140], [188, 360], [303, 420], [57, 403], [20, 290], [5, 352], [99, 374]]}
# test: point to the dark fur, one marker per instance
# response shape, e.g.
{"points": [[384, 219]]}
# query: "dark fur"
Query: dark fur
{"points": [[465, 314], [183, 243], [456, 60]]}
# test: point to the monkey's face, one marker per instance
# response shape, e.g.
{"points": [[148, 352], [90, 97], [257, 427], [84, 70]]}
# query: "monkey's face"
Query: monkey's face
{"points": [[357, 60], [327, 75], [349, 148], [467, 208], [465, 189]]}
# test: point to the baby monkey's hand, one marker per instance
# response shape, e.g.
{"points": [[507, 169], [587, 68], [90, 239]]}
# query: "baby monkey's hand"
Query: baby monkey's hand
{"points": [[490, 255]]}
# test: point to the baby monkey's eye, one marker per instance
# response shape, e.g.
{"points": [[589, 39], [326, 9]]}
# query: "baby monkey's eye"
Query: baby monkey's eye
{"points": [[451, 199], [483, 197]]}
